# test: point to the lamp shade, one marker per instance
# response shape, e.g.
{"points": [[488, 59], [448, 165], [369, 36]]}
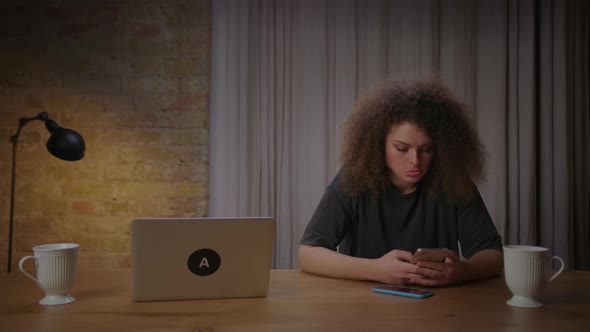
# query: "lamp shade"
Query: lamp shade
{"points": [[64, 143]]}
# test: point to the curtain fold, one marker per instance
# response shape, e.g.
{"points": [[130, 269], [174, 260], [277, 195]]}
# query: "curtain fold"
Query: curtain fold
{"points": [[228, 186], [285, 75], [578, 141]]}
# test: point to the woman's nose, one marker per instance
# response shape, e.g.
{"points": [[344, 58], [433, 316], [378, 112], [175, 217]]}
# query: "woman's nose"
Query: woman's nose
{"points": [[414, 157]]}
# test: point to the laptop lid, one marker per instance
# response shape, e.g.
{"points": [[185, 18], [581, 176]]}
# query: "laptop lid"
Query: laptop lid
{"points": [[201, 258]]}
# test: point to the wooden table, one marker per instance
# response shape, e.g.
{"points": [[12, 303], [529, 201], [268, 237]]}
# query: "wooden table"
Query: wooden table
{"points": [[297, 302]]}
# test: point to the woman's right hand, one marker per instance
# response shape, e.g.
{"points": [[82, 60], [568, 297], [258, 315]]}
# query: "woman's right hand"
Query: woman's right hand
{"points": [[394, 268]]}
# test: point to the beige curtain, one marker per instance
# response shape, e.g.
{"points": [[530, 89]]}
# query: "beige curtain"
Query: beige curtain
{"points": [[286, 73]]}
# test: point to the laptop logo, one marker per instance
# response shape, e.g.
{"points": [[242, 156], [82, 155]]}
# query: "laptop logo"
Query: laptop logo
{"points": [[204, 262]]}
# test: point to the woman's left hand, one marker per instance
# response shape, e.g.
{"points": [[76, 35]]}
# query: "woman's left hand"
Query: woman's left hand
{"points": [[438, 273]]}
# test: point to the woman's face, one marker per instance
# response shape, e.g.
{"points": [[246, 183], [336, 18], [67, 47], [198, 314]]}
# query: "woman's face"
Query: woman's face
{"points": [[408, 153]]}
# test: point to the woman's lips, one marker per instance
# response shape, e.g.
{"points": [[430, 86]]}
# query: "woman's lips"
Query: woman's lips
{"points": [[413, 173]]}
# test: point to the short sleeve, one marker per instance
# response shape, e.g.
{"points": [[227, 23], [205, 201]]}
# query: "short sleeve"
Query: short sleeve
{"points": [[476, 229], [330, 221]]}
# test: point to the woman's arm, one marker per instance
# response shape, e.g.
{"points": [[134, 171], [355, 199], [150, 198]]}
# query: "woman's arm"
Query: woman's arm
{"points": [[392, 268], [484, 264]]}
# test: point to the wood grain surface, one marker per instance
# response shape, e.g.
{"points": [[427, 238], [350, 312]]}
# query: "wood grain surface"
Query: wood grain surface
{"points": [[296, 302]]}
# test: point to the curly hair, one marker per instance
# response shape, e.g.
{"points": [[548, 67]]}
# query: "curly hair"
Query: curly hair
{"points": [[428, 104]]}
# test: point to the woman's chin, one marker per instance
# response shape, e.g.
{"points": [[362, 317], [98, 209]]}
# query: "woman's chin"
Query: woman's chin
{"points": [[413, 180], [407, 184]]}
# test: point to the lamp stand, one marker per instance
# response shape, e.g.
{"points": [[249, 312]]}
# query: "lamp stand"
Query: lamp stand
{"points": [[14, 140]]}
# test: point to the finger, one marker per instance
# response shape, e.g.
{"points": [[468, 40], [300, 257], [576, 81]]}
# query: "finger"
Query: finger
{"points": [[429, 273], [416, 279], [427, 282], [415, 276], [409, 267], [432, 265], [399, 280], [441, 276], [403, 255]]}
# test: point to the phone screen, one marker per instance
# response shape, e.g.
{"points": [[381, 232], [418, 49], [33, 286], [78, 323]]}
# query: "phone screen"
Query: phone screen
{"points": [[403, 289], [416, 293]]}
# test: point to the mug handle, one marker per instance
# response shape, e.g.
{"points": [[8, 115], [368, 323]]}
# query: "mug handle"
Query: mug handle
{"points": [[558, 271], [22, 269]]}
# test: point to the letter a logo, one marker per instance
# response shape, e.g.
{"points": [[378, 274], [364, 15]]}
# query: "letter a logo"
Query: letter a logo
{"points": [[204, 262]]}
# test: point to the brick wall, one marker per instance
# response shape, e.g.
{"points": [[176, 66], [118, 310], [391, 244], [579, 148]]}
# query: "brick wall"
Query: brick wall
{"points": [[133, 78]]}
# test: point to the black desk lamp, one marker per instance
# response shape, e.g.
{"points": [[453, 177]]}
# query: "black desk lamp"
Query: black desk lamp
{"points": [[63, 143]]}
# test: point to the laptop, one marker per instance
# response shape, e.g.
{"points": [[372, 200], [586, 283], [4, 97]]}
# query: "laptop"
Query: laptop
{"points": [[201, 258]]}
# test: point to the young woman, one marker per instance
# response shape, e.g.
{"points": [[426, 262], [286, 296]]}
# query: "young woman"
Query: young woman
{"points": [[409, 156]]}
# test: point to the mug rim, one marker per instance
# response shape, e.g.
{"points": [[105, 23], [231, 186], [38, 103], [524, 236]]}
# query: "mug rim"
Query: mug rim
{"points": [[524, 248], [55, 246]]}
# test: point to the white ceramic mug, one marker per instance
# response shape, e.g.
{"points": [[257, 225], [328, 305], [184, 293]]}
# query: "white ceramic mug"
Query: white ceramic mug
{"points": [[525, 273], [56, 271]]}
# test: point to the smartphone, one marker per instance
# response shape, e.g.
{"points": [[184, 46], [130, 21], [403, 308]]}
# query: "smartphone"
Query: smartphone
{"points": [[416, 293], [430, 254]]}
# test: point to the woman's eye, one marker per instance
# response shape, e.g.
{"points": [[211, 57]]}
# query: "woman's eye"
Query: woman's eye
{"points": [[428, 149], [401, 149]]}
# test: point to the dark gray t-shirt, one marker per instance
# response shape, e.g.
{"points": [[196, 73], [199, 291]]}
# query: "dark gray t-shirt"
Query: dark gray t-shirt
{"points": [[362, 226]]}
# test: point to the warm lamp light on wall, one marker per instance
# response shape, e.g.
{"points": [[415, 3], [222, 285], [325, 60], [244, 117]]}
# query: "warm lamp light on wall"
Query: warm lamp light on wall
{"points": [[63, 143]]}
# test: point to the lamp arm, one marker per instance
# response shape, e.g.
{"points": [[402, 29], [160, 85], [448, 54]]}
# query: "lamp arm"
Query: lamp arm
{"points": [[23, 121]]}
